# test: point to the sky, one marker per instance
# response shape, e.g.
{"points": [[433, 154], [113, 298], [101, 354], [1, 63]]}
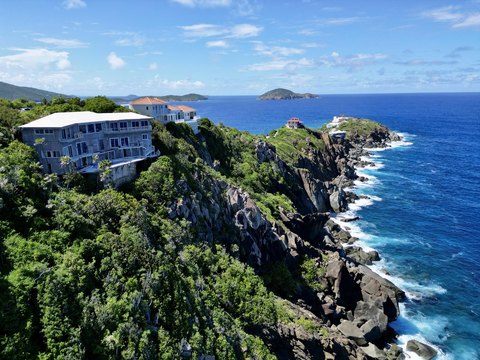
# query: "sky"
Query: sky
{"points": [[240, 47]]}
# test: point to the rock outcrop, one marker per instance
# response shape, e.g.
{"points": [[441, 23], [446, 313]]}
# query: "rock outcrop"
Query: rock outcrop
{"points": [[354, 305], [423, 350]]}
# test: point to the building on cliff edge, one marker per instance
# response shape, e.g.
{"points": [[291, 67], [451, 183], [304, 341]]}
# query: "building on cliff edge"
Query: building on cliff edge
{"points": [[294, 123], [79, 141], [160, 110]]}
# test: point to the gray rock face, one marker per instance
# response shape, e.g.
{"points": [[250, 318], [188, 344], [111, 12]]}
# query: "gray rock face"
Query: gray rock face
{"points": [[265, 151], [376, 289], [338, 201], [423, 350], [361, 256], [351, 331]]}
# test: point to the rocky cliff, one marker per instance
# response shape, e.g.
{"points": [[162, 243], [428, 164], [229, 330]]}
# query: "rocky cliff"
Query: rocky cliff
{"points": [[347, 306]]}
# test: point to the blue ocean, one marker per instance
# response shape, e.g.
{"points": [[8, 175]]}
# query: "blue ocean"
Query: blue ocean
{"points": [[424, 212]]}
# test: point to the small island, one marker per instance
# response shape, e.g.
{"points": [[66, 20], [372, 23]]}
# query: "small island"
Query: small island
{"points": [[285, 94]]}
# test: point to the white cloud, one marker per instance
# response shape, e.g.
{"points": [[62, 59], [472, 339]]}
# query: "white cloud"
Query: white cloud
{"points": [[132, 40], [276, 51], [281, 64], [153, 66], [115, 61], [209, 30], [36, 58], [204, 3], [245, 31], [203, 30], [63, 43], [353, 61], [340, 21], [446, 13], [453, 15], [41, 68], [217, 44], [185, 84], [74, 4], [469, 21]]}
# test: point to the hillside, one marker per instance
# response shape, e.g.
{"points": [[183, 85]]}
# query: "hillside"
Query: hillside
{"points": [[285, 94], [12, 92], [222, 248], [187, 97]]}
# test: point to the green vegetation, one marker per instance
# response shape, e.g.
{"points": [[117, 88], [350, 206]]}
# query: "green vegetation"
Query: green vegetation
{"points": [[188, 97], [12, 92], [362, 127], [308, 325], [293, 143], [109, 273], [284, 94], [312, 272]]}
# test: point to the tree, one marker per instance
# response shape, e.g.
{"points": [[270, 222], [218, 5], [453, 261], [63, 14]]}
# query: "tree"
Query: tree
{"points": [[100, 104]]}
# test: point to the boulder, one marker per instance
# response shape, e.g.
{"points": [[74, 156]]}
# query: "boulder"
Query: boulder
{"points": [[361, 256], [378, 290], [351, 331], [374, 352], [338, 201], [374, 321], [423, 350]]}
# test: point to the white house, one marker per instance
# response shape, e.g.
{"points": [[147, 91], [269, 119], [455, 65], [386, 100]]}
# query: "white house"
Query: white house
{"points": [[151, 106], [85, 138], [159, 109]]}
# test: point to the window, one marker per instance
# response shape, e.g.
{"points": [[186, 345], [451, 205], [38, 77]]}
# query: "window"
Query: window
{"points": [[144, 123], [147, 107], [82, 128], [82, 148], [98, 127], [48, 131], [49, 154], [135, 124], [124, 141], [56, 154], [68, 150], [114, 143], [38, 131], [123, 125], [114, 126], [91, 128], [101, 146], [145, 136]]}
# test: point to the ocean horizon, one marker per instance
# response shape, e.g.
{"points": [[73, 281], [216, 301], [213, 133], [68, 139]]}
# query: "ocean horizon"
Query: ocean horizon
{"points": [[424, 201]]}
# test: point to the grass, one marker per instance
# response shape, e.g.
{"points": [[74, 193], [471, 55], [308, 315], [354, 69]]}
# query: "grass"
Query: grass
{"points": [[291, 144], [363, 127]]}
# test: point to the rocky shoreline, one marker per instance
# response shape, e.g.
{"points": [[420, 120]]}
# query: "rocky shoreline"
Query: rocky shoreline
{"points": [[351, 306]]}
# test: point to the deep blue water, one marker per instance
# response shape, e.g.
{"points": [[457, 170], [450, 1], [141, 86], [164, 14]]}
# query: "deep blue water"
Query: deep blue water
{"points": [[424, 220]]}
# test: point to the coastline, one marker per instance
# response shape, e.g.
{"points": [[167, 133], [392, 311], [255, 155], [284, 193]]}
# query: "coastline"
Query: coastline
{"points": [[371, 162]]}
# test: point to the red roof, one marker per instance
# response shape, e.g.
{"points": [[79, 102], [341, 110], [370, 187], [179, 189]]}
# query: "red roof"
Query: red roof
{"points": [[148, 101], [185, 108], [294, 119]]}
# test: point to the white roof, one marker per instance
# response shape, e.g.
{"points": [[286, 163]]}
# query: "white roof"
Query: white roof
{"points": [[62, 119]]}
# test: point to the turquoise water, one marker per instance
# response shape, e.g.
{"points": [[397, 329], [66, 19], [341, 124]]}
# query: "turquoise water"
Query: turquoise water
{"points": [[425, 211]]}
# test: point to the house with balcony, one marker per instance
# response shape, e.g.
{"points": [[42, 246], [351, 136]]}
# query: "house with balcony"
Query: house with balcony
{"points": [[160, 110], [78, 141], [294, 123]]}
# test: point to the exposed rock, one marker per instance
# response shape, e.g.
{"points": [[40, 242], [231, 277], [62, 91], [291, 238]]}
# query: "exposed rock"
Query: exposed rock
{"points": [[373, 322], [374, 352], [361, 256], [423, 350], [376, 289], [265, 151], [351, 331], [338, 201]]}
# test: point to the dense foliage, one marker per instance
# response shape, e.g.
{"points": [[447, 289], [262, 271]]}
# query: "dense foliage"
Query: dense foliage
{"points": [[109, 274]]}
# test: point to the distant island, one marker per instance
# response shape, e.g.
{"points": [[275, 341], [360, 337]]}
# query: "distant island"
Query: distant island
{"points": [[12, 92], [285, 94], [187, 97]]}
